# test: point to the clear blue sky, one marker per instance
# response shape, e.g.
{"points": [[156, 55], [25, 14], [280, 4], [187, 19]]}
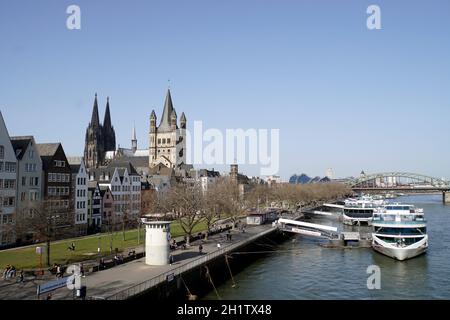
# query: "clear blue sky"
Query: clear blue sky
{"points": [[343, 96]]}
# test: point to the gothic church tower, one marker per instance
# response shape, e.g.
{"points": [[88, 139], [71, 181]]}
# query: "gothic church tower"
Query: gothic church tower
{"points": [[99, 139]]}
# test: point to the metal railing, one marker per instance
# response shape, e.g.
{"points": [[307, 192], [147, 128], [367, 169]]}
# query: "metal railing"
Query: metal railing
{"points": [[150, 283]]}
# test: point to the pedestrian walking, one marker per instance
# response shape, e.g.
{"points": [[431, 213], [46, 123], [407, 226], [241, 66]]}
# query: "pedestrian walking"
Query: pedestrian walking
{"points": [[20, 278], [200, 248], [11, 272], [170, 259], [5, 273], [58, 271]]}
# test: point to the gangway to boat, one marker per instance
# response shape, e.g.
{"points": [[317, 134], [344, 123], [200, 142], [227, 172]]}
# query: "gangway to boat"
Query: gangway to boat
{"points": [[306, 228], [332, 205], [323, 213]]}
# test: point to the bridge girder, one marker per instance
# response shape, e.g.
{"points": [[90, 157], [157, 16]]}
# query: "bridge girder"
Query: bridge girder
{"points": [[435, 182]]}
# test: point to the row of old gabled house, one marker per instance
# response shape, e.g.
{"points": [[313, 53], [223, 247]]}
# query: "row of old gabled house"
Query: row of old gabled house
{"points": [[75, 200]]}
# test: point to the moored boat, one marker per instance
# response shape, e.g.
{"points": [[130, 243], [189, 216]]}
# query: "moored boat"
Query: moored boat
{"points": [[400, 231]]}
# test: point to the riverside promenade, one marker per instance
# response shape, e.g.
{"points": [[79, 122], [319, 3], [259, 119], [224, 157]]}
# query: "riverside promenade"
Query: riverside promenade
{"points": [[129, 279]]}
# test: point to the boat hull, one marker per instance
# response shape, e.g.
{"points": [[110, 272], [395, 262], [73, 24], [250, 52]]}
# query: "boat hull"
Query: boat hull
{"points": [[400, 253]]}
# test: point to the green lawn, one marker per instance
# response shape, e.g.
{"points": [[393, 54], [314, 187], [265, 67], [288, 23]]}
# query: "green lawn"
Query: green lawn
{"points": [[86, 248]]}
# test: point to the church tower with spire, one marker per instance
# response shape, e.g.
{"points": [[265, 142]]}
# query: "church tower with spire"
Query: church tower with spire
{"points": [[134, 140], [109, 134], [167, 142], [99, 138]]}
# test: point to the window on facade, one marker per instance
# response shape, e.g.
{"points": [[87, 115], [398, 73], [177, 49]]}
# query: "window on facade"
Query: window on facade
{"points": [[10, 167], [159, 141], [168, 140], [9, 201], [10, 184], [2, 152], [31, 154], [34, 196], [164, 141]]}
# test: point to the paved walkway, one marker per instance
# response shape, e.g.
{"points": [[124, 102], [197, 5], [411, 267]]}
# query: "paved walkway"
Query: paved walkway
{"points": [[110, 281]]}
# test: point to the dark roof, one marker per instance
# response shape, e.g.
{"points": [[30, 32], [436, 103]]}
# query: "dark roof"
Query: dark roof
{"points": [[208, 173], [161, 170], [75, 168], [123, 164], [47, 149], [103, 190], [146, 185], [100, 174], [137, 162], [20, 145]]}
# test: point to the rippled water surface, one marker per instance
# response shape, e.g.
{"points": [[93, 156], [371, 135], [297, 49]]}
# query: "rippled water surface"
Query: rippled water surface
{"points": [[302, 269]]}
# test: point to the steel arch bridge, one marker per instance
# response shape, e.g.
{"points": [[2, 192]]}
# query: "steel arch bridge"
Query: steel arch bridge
{"points": [[398, 181]]}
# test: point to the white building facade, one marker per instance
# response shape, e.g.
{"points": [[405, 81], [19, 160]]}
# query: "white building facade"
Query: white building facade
{"points": [[8, 186], [80, 191], [125, 184]]}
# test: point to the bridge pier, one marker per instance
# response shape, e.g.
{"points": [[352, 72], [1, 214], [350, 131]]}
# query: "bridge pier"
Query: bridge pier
{"points": [[446, 197]]}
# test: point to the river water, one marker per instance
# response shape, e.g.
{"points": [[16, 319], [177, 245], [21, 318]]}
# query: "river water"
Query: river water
{"points": [[302, 269]]}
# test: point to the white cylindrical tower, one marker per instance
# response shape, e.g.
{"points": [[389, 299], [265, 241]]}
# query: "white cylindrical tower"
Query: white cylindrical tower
{"points": [[157, 242]]}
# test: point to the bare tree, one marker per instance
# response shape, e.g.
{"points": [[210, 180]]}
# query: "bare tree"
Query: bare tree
{"points": [[186, 202], [234, 202], [45, 221], [259, 195], [213, 207]]}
